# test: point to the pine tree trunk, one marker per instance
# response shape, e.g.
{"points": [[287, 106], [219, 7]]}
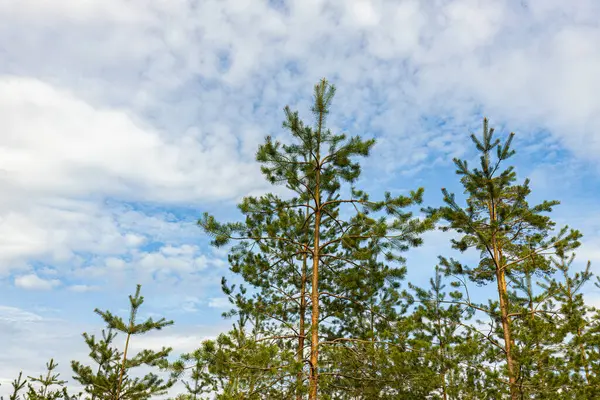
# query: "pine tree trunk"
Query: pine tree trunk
{"points": [[503, 299], [118, 394], [506, 328], [584, 360], [536, 345], [314, 344], [444, 389], [444, 370], [45, 389], [372, 389], [301, 330]]}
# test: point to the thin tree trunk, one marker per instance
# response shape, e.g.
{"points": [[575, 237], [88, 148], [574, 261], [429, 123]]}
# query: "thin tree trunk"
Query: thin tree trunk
{"points": [[196, 382], [301, 330], [536, 344], [45, 389], [506, 328], [444, 389], [314, 343], [372, 389], [504, 306], [584, 360], [442, 352], [118, 394]]}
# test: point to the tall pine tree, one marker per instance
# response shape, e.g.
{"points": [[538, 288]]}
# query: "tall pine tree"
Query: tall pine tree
{"points": [[498, 221], [337, 233]]}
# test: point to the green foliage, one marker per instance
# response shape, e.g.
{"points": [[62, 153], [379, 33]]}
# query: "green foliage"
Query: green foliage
{"points": [[497, 214]]}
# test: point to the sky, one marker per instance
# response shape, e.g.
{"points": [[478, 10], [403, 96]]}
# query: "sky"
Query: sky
{"points": [[123, 121]]}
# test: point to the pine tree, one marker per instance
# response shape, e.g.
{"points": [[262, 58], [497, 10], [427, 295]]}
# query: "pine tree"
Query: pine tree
{"points": [[314, 168], [508, 232], [110, 379], [439, 319], [102, 383], [198, 363], [42, 387], [591, 339], [577, 378], [454, 354], [17, 385], [45, 390], [278, 275], [369, 354], [243, 366], [537, 340]]}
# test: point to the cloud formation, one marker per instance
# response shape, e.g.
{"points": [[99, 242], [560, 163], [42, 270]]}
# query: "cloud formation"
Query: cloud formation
{"points": [[32, 281]]}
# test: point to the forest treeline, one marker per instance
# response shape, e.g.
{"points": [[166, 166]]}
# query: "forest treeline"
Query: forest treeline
{"points": [[325, 311]]}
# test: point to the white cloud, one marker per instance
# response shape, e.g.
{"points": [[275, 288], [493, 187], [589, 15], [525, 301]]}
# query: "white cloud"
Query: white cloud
{"points": [[34, 282], [183, 259], [168, 266], [82, 288], [364, 14], [181, 343], [74, 11], [590, 251], [56, 144], [59, 156], [54, 232], [14, 314], [219, 302]]}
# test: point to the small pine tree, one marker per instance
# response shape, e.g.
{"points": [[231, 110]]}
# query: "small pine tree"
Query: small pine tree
{"points": [[439, 319], [45, 390], [577, 376], [537, 340], [42, 387], [198, 364], [244, 366], [111, 379], [18, 385]]}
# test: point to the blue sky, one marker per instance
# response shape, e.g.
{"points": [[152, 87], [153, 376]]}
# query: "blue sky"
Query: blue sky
{"points": [[124, 121]]}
